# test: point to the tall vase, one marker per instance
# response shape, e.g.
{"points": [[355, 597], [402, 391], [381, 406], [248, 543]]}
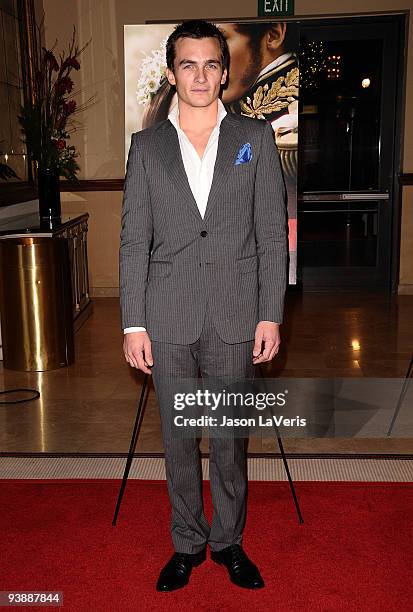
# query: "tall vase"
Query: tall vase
{"points": [[49, 194]]}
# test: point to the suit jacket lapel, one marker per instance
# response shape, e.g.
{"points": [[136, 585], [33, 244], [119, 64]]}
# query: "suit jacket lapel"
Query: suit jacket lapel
{"points": [[229, 142], [167, 144]]}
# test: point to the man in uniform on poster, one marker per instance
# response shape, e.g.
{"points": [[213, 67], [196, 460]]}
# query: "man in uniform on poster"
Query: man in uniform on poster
{"points": [[203, 269], [262, 57], [264, 84]]}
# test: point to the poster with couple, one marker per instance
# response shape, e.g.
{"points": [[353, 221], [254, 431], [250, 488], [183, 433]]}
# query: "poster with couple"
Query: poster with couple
{"points": [[263, 84]]}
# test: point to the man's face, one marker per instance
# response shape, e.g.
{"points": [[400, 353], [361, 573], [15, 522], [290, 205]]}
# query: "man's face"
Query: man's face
{"points": [[244, 66], [198, 73]]}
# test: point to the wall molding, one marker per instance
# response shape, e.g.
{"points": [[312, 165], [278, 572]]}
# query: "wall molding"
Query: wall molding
{"points": [[117, 184], [406, 178], [92, 185]]}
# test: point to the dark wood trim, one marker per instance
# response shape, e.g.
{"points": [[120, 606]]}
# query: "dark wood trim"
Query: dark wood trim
{"points": [[406, 178], [16, 192], [92, 185], [10, 193], [24, 191]]}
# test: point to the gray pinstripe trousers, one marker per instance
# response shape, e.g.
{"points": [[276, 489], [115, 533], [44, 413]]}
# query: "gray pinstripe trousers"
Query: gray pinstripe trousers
{"points": [[190, 530]]}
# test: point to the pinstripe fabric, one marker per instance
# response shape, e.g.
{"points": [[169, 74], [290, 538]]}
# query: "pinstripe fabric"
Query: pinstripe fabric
{"points": [[172, 262], [213, 358]]}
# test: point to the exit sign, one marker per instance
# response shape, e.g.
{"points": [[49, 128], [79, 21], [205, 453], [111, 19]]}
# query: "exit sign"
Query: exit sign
{"points": [[275, 8]]}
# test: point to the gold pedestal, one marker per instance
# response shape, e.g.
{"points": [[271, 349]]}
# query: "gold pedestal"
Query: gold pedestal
{"points": [[36, 303]]}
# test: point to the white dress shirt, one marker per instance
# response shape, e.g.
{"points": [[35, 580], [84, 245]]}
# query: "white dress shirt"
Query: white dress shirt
{"points": [[199, 171]]}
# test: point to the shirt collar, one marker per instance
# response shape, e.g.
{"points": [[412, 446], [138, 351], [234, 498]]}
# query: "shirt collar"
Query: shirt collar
{"points": [[277, 62], [174, 114]]}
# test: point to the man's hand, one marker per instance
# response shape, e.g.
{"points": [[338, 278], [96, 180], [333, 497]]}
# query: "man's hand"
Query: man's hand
{"points": [[267, 341], [138, 350]]}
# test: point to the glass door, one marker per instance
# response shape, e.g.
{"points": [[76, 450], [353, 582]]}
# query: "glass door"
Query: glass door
{"points": [[349, 89]]}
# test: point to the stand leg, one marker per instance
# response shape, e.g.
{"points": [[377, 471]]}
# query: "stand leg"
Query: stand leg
{"points": [[287, 469], [401, 396], [138, 422], [290, 480]]}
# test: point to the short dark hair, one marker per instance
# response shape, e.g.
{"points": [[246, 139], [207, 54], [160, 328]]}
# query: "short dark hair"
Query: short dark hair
{"points": [[196, 28], [256, 32]]}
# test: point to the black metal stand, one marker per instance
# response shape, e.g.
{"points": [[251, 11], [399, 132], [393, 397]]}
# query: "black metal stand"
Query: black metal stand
{"points": [[290, 480], [403, 392], [287, 469], [136, 429]]}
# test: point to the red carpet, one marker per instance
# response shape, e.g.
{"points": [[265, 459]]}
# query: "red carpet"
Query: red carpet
{"points": [[354, 551]]}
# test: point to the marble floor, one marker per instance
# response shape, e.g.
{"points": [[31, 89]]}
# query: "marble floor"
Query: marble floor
{"points": [[90, 407]]}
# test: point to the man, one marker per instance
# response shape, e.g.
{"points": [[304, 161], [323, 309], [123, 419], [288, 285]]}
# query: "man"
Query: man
{"points": [[262, 57], [203, 260]]}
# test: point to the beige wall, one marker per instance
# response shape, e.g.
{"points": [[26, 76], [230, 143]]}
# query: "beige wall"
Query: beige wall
{"points": [[101, 141]]}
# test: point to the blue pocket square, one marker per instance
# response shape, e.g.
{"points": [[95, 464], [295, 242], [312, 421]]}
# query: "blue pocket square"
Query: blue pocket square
{"points": [[244, 154]]}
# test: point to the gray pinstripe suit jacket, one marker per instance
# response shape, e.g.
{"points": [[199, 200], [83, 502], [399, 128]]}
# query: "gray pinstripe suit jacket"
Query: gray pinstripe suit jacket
{"points": [[172, 261]]}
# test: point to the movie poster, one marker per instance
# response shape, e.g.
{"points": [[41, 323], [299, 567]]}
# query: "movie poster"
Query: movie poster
{"points": [[263, 83]]}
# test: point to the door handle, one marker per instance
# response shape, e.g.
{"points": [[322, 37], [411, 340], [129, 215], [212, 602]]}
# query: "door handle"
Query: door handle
{"points": [[365, 196], [340, 197]]}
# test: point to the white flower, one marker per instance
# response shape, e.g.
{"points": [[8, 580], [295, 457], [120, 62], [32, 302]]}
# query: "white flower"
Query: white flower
{"points": [[152, 86], [151, 73]]}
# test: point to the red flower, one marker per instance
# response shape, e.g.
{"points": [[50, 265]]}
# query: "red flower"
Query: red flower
{"points": [[71, 62], [50, 58], [59, 144], [70, 107], [65, 85]]}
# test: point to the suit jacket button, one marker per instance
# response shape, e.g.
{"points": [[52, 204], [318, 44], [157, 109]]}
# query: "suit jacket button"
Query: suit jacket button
{"points": [[204, 233]]}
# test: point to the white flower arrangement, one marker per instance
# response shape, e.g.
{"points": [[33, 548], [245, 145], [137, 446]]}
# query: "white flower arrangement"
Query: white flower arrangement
{"points": [[152, 70]]}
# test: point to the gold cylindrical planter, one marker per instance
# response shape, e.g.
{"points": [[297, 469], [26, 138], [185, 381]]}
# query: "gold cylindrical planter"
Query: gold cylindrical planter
{"points": [[36, 303]]}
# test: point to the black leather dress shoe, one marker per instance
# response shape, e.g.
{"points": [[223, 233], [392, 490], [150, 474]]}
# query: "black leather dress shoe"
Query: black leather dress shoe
{"points": [[242, 571], [177, 571]]}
